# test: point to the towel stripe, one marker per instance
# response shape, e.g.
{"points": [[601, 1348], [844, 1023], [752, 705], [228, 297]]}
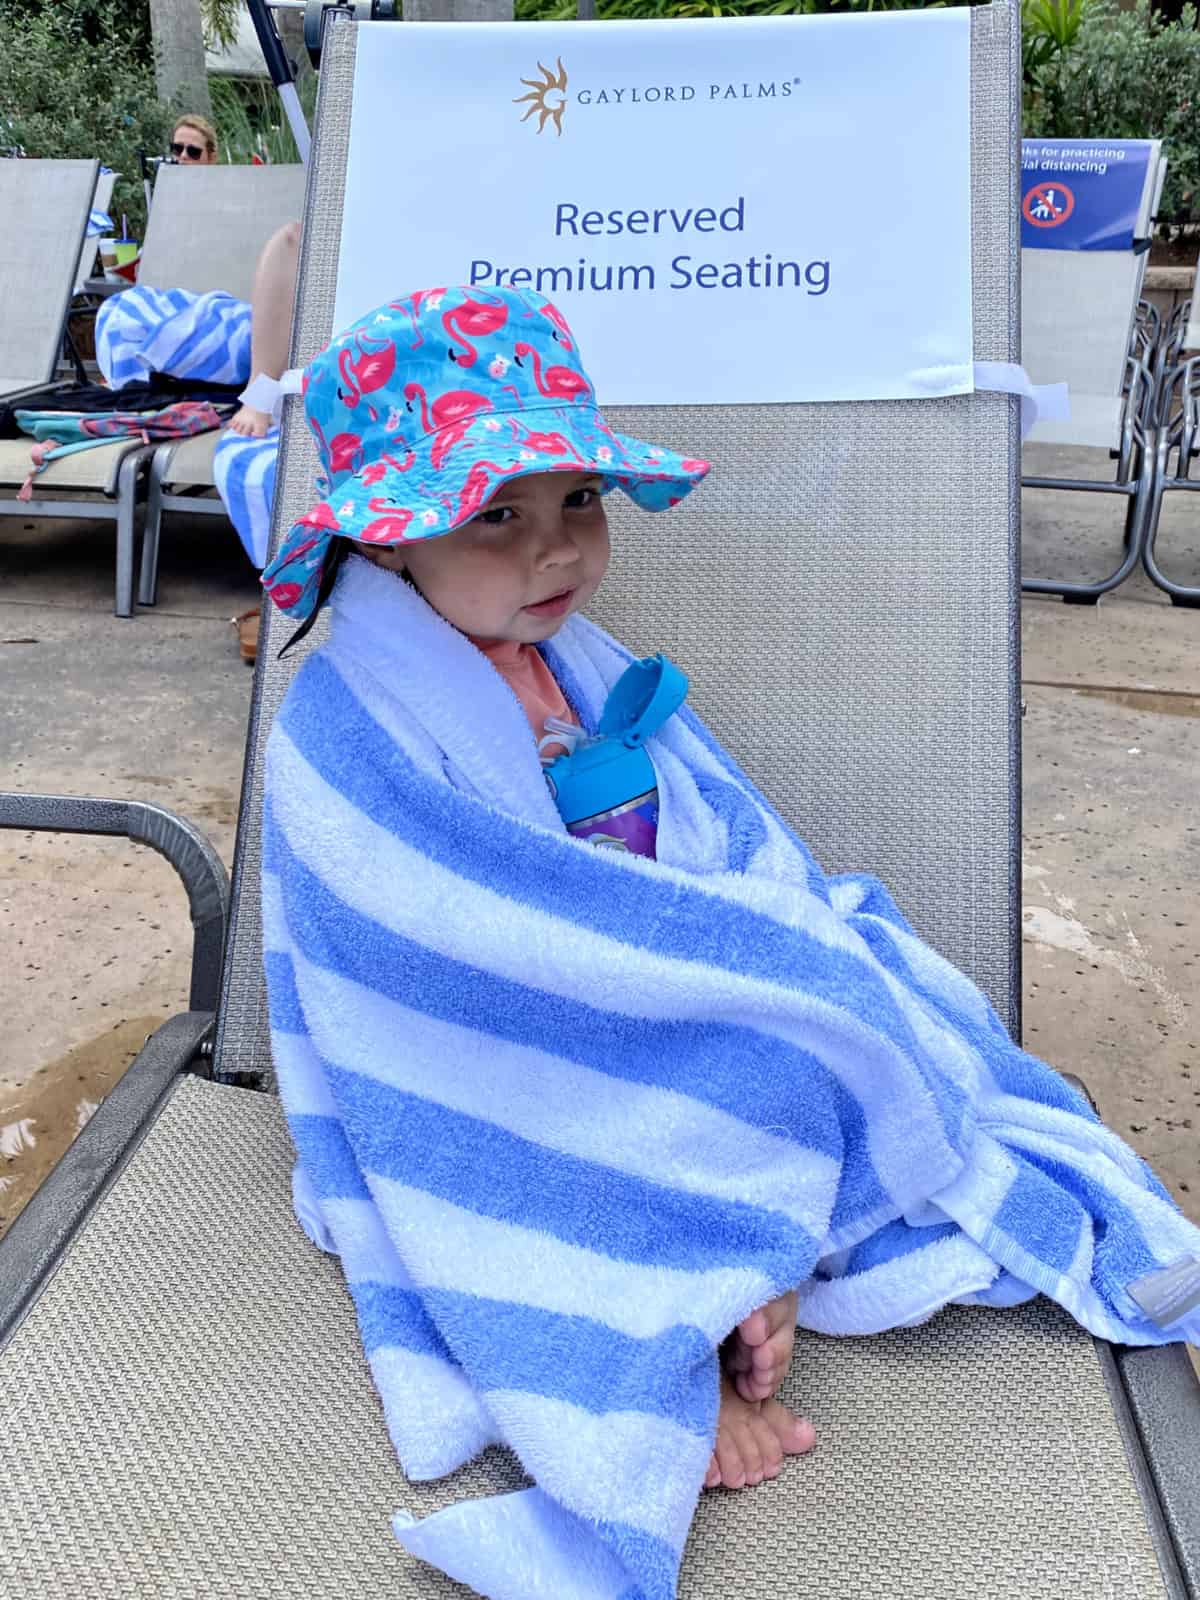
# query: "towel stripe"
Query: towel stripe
{"points": [[636, 1049], [661, 1465], [672, 1374], [436, 1420], [497, 1174], [244, 473], [442, 830], [554, 956], [451, 1247], [648, 1132]]}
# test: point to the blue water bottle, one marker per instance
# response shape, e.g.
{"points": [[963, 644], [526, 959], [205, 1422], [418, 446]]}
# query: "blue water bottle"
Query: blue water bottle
{"points": [[606, 789]]}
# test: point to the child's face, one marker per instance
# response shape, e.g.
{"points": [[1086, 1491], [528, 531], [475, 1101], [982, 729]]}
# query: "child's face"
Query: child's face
{"points": [[534, 554]]}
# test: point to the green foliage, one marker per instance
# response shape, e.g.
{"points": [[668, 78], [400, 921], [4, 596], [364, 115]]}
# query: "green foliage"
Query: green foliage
{"points": [[76, 79], [251, 121], [1127, 75], [1049, 28], [220, 18]]}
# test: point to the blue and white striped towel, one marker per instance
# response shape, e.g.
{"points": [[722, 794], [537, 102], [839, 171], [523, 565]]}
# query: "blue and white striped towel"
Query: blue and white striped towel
{"points": [[145, 330], [568, 1115], [244, 473]]}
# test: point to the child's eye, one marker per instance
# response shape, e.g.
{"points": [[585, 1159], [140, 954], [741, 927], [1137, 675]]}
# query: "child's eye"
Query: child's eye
{"points": [[581, 499], [494, 516]]}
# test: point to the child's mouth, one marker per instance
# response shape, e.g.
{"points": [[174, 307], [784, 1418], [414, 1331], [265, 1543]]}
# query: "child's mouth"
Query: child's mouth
{"points": [[554, 606]]}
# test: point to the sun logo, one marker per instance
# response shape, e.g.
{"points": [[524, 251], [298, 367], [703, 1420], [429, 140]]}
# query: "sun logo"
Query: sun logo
{"points": [[549, 98]]}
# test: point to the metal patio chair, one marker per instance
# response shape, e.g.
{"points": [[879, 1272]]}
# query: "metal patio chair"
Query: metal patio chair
{"points": [[47, 204], [231, 215], [1178, 435], [1083, 322], [190, 1410], [205, 230]]}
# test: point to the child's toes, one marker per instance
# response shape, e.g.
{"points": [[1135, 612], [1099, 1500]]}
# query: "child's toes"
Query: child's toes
{"points": [[713, 1476], [751, 1453], [796, 1435], [729, 1459], [772, 1452], [751, 1387], [756, 1327]]}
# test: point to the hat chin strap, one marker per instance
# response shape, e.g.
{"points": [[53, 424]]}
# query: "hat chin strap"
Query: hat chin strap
{"points": [[266, 394]]}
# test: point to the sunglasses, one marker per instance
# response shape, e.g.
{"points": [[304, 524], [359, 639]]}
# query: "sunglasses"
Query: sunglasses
{"points": [[193, 150]]}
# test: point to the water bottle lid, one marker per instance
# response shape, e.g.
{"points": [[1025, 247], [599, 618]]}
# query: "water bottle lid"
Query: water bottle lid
{"points": [[642, 699]]}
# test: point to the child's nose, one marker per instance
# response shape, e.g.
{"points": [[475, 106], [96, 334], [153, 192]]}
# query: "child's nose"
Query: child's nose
{"points": [[558, 544]]}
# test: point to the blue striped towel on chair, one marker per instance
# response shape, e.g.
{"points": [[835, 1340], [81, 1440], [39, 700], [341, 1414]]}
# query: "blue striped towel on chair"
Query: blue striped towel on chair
{"points": [[143, 330], [567, 1116]]}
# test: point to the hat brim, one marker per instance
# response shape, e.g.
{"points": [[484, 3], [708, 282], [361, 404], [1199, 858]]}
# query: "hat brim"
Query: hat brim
{"points": [[446, 479]]}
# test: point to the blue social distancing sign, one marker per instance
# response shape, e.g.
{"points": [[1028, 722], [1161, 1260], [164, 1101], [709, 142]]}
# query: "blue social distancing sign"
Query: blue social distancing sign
{"points": [[1082, 194]]}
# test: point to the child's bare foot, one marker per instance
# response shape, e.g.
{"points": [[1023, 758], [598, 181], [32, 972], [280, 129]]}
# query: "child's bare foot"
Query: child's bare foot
{"points": [[249, 422], [759, 1352], [752, 1439]]}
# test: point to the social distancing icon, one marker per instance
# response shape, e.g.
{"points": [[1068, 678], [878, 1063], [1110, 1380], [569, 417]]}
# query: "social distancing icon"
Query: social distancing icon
{"points": [[1048, 204]]}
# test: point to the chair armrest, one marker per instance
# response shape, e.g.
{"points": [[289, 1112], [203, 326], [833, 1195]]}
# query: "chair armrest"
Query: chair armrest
{"points": [[40, 1236], [1163, 1394], [185, 847]]}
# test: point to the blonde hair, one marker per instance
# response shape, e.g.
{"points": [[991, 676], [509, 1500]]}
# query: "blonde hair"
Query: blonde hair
{"points": [[201, 125]]}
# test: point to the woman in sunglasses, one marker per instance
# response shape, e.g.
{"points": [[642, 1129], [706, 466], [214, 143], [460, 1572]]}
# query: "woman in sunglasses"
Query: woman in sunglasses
{"points": [[194, 142]]}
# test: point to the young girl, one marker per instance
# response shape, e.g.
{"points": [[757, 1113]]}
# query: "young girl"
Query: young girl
{"points": [[575, 1119], [503, 533]]}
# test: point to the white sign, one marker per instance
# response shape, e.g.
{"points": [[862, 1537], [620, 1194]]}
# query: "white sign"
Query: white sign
{"points": [[741, 211]]}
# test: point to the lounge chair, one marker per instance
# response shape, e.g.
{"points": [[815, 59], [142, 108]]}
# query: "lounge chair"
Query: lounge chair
{"points": [[230, 219], [46, 205], [1080, 324], [206, 227], [193, 1414], [1178, 436], [101, 200], [49, 203]]}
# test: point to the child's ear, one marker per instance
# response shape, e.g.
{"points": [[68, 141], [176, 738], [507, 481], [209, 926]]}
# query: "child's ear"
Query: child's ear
{"points": [[380, 555]]}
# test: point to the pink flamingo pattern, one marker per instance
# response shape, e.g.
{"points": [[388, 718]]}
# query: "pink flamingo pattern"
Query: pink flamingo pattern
{"points": [[430, 453], [390, 528], [411, 309], [376, 470], [450, 417], [370, 371], [561, 383], [476, 319]]}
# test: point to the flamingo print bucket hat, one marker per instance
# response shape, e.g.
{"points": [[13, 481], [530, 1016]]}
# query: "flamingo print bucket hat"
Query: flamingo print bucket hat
{"points": [[425, 406]]}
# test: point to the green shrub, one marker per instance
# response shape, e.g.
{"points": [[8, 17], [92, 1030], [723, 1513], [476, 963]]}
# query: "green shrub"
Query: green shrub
{"points": [[1127, 75], [76, 79], [250, 119]]}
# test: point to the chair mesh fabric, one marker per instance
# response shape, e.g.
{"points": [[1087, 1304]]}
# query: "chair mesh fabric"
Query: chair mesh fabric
{"points": [[208, 225], [842, 593], [975, 1457], [192, 462], [97, 468], [193, 1371], [1078, 309], [45, 206]]}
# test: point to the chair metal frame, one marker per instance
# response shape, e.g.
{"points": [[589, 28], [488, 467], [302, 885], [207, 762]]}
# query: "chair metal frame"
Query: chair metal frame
{"points": [[1134, 450], [1178, 432], [1155, 1395], [94, 502], [1133, 480]]}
